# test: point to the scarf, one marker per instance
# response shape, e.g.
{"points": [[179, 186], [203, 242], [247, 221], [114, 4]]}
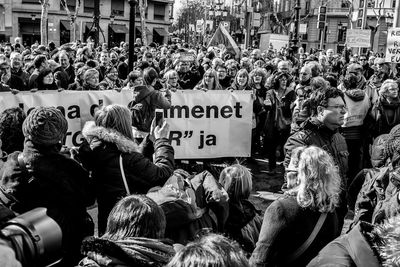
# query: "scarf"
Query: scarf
{"points": [[131, 251]]}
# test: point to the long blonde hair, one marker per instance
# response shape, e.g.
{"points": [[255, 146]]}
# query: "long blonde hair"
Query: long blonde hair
{"points": [[319, 180], [116, 117], [237, 181]]}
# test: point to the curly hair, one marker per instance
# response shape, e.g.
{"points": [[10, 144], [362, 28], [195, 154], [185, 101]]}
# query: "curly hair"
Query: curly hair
{"points": [[11, 134], [257, 71], [319, 180], [275, 84]]}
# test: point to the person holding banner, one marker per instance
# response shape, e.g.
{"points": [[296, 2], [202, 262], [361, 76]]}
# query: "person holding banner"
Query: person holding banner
{"points": [[209, 82], [117, 165]]}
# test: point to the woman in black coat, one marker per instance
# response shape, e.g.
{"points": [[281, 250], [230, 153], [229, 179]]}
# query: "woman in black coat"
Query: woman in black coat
{"points": [[110, 148], [40, 176]]}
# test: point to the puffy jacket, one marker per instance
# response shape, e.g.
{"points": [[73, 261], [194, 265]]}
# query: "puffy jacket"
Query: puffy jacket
{"points": [[101, 155]]}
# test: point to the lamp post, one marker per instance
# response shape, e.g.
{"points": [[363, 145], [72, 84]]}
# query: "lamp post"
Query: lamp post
{"points": [[295, 39], [111, 41], [33, 16], [132, 31]]}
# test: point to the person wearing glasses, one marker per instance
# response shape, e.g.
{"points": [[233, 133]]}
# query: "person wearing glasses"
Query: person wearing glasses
{"points": [[367, 70], [328, 111]]}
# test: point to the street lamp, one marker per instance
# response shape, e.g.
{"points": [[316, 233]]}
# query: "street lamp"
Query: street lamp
{"points": [[132, 17], [33, 16], [111, 41]]}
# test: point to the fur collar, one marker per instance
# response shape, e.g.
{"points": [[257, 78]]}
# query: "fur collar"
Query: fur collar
{"points": [[93, 134]]}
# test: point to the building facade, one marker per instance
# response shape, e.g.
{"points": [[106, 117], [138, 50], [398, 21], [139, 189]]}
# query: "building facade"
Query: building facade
{"points": [[22, 18], [334, 34]]}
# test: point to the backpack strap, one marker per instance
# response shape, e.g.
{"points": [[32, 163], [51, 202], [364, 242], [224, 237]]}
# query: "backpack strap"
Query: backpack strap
{"points": [[121, 167], [299, 251]]}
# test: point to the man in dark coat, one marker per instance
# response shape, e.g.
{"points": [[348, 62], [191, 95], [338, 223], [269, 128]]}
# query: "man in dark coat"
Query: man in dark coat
{"points": [[322, 130], [41, 176]]}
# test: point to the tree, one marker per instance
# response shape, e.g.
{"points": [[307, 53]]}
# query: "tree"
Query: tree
{"points": [[72, 16], [378, 11], [142, 9], [43, 23]]}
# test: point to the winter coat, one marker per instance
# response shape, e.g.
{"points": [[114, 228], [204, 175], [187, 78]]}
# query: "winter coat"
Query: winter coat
{"points": [[188, 80], [101, 156], [358, 106], [134, 251], [279, 113], [243, 224], [385, 116], [57, 183], [190, 204], [286, 226], [350, 250], [313, 132]]}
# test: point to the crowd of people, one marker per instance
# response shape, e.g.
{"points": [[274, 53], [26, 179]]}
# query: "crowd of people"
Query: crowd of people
{"points": [[330, 119]]}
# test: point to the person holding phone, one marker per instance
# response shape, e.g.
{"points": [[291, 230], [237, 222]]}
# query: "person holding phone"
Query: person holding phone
{"points": [[110, 148]]}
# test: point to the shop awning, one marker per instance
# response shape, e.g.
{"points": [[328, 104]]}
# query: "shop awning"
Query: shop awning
{"points": [[139, 29], [119, 28], [65, 24], [161, 31]]}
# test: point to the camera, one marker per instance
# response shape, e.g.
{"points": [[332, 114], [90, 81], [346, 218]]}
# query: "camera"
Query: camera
{"points": [[35, 238]]}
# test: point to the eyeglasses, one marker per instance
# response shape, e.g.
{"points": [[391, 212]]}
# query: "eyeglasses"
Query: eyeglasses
{"points": [[303, 73], [208, 76], [291, 170], [341, 107]]}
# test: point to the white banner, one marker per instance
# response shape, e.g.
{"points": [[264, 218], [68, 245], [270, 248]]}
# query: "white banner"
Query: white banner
{"points": [[210, 124], [203, 124], [393, 46], [358, 38]]}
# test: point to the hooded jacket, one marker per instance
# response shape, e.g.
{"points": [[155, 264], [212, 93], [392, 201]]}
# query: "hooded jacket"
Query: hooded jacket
{"points": [[358, 105], [101, 156], [57, 183]]}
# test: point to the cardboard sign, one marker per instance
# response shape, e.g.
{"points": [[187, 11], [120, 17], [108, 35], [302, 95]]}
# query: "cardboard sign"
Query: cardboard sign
{"points": [[358, 38], [393, 46]]}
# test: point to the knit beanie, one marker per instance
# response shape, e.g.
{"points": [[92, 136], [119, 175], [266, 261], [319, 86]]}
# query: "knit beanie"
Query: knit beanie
{"points": [[45, 126]]}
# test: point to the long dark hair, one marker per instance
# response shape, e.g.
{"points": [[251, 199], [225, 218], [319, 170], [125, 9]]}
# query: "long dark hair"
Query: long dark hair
{"points": [[135, 216]]}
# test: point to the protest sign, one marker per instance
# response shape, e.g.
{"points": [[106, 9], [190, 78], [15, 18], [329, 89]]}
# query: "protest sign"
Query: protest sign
{"points": [[203, 124], [393, 46], [185, 57], [210, 124], [358, 38]]}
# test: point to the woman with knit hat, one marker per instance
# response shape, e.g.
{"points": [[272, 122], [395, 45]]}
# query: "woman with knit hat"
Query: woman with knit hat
{"points": [[40, 176]]}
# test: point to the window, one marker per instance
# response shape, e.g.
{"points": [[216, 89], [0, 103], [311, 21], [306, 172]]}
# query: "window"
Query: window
{"points": [[117, 7], [30, 2], [70, 4], [394, 3], [371, 3], [307, 7], [88, 6], [345, 4], [159, 12]]}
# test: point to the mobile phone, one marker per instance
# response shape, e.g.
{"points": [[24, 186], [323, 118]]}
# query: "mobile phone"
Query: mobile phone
{"points": [[159, 117]]}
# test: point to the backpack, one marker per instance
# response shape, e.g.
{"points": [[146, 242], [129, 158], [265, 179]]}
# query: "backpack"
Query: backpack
{"points": [[142, 113]]}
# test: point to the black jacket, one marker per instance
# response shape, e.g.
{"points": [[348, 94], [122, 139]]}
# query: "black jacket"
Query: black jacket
{"points": [[101, 156]]}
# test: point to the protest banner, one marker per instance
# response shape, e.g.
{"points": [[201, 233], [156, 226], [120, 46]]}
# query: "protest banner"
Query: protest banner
{"points": [[393, 46], [202, 124], [185, 57], [210, 124], [358, 38]]}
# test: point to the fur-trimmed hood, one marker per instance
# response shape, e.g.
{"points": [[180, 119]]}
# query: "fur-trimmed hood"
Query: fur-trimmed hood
{"points": [[96, 135]]}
